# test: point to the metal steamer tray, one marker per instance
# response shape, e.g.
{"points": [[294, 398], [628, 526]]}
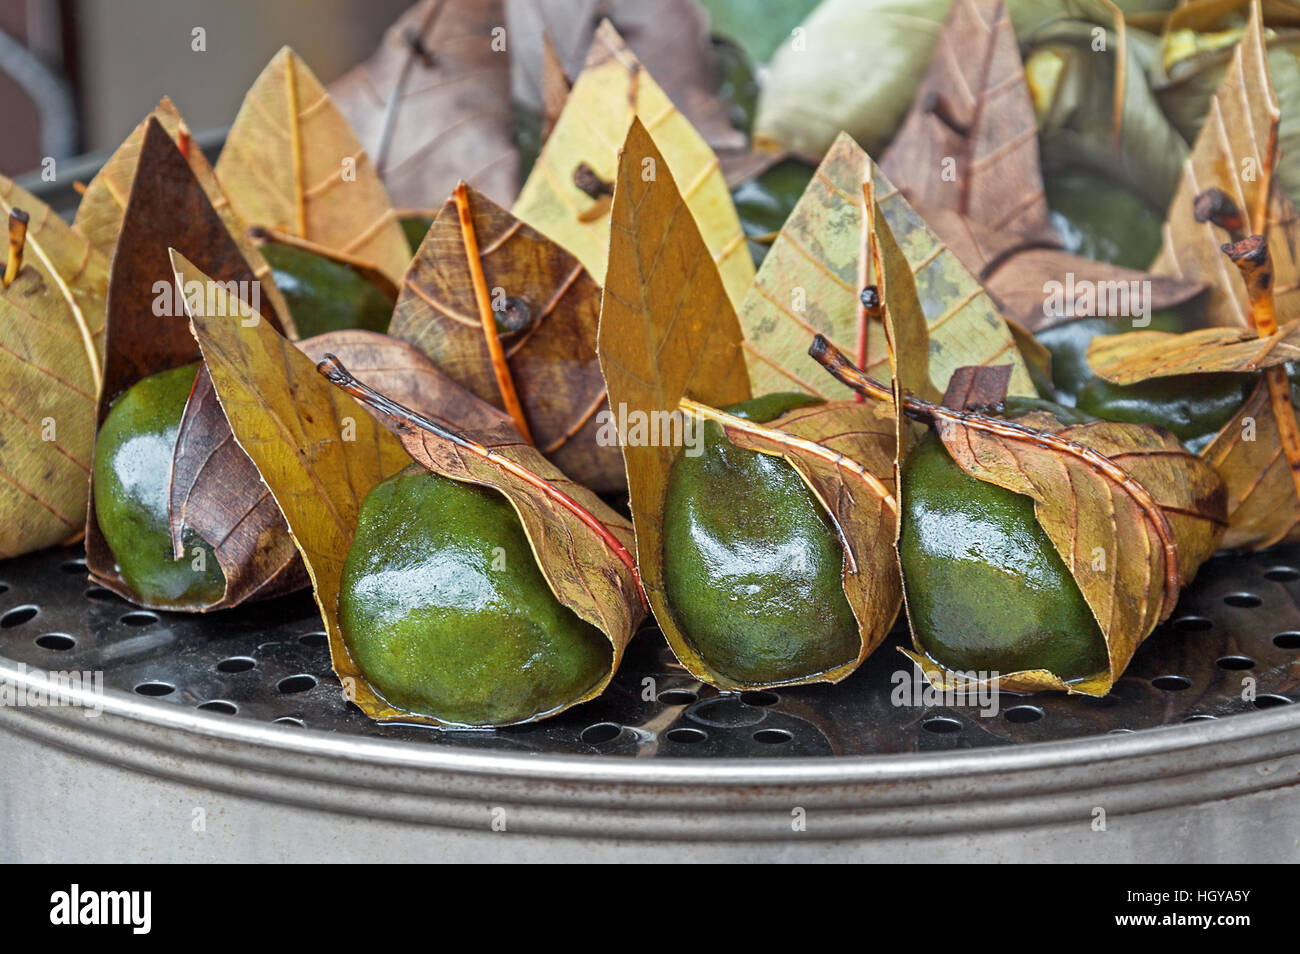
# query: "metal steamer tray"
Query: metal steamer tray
{"points": [[226, 737]]}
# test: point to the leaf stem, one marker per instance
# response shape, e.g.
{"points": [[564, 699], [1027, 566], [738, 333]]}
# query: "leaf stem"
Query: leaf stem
{"points": [[840, 368], [1250, 255], [17, 242], [1215, 205], [1264, 199], [505, 383], [413, 39], [869, 297], [334, 371]]}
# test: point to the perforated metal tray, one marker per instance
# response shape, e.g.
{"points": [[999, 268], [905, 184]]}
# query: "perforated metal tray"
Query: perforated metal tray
{"points": [[236, 719], [1232, 646]]}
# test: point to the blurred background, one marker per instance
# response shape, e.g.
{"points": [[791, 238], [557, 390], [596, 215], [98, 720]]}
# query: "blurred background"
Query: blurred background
{"points": [[78, 75]]}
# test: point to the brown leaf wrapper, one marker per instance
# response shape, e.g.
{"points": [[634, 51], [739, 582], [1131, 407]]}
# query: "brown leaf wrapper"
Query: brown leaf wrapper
{"points": [[1254, 296], [291, 422], [319, 455], [661, 342], [432, 104], [566, 196], [810, 280], [1125, 493], [844, 451], [583, 548], [551, 356], [51, 359], [217, 491], [973, 111], [973, 116], [1147, 513], [1239, 134], [977, 388], [100, 213], [1248, 455], [667, 331], [167, 208]]}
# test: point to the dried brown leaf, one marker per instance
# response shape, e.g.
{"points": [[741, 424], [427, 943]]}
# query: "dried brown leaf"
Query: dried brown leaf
{"points": [[667, 331], [613, 88], [970, 141], [432, 105], [1130, 358], [294, 426], [810, 280], [99, 216], [1132, 521], [551, 358], [671, 38], [1236, 153], [146, 332], [1249, 457]]}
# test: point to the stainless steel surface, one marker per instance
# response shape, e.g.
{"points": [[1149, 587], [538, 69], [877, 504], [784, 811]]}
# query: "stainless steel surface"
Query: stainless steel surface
{"points": [[1237, 629], [681, 772]]}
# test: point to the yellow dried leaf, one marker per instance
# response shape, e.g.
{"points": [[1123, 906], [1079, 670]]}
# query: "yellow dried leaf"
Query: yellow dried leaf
{"points": [[292, 163], [611, 90]]}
